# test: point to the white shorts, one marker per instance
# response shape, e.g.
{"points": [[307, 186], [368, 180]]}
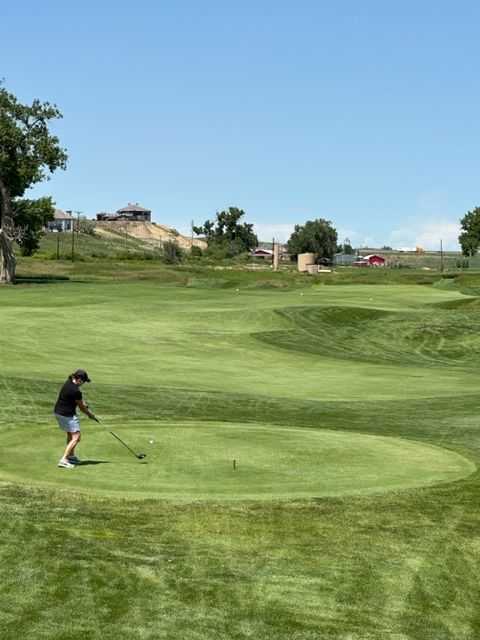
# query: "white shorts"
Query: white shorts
{"points": [[70, 424]]}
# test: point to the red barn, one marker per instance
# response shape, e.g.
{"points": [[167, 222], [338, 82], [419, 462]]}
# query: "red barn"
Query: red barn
{"points": [[371, 260]]}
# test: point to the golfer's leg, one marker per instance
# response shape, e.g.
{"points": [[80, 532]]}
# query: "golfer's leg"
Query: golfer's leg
{"points": [[72, 440]]}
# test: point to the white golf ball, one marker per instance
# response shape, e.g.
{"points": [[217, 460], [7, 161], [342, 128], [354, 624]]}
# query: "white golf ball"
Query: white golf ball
{"points": [[151, 441]]}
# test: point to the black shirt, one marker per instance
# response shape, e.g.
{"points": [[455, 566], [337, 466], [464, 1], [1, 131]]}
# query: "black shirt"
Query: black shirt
{"points": [[66, 404]]}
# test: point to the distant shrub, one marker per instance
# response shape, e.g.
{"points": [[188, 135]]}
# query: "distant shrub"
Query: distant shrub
{"points": [[172, 252], [63, 255], [196, 252], [44, 255], [133, 255]]}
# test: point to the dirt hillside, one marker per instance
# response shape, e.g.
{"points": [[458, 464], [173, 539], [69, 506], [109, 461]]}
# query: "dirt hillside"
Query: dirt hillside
{"points": [[149, 232]]}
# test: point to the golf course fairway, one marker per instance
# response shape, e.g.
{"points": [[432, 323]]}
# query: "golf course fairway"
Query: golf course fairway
{"points": [[311, 468], [216, 461]]}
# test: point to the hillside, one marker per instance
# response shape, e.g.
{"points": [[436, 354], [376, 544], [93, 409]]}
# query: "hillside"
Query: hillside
{"points": [[149, 232]]}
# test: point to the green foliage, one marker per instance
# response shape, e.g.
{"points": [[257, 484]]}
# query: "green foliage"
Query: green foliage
{"points": [[30, 218], [196, 252], [315, 236], [27, 150], [227, 234], [28, 154], [216, 252], [172, 252], [133, 255], [346, 247], [85, 226], [470, 238]]}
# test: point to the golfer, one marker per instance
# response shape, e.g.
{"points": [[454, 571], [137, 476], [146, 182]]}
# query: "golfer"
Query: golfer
{"points": [[65, 412]]}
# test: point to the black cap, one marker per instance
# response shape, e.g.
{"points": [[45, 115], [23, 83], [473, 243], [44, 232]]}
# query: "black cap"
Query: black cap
{"points": [[80, 373]]}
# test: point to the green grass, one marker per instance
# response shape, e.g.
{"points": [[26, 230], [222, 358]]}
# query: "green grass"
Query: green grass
{"points": [[265, 374], [230, 461]]}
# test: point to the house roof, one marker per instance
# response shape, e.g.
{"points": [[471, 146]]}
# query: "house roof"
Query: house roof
{"points": [[61, 215], [133, 207], [263, 252]]}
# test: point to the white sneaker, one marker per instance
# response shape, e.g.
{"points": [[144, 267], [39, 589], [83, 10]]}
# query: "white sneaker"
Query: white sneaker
{"points": [[65, 464], [74, 460]]}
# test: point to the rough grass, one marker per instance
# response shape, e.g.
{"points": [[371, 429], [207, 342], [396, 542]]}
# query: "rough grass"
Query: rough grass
{"points": [[395, 565]]}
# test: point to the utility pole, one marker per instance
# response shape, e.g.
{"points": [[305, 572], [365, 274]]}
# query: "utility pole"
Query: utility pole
{"points": [[73, 231], [73, 241]]}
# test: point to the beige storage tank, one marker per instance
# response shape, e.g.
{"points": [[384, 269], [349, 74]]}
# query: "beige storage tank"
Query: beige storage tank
{"points": [[304, 259], [276, 255]]}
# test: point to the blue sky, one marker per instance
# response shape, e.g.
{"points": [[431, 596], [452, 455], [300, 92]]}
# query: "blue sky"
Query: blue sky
{"points": [[364, 113]]}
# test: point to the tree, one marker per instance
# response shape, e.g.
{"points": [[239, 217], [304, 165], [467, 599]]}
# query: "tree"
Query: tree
{"points": [[85, 226], [30, 217], [28, 153], [470, 238], [172, 252], [227, 233], [346, 247], [315, 236]]}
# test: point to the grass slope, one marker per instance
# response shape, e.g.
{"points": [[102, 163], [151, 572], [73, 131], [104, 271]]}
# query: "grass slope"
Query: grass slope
{"points": [[378, 360]]}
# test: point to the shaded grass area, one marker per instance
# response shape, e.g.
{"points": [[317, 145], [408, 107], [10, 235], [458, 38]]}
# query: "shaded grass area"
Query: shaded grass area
{"points": [[383, 336], [401, 565]]}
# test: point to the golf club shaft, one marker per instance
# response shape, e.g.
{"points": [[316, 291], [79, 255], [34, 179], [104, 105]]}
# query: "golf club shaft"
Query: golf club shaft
{"points": [[124, 444], [120, 440]]}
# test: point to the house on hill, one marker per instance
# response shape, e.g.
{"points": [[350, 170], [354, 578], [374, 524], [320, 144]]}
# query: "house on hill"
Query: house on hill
{"points": [[62, 221], [132, 213], [371, 260]]}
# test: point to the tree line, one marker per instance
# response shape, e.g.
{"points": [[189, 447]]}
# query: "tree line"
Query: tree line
{"points": [[29, 154]]}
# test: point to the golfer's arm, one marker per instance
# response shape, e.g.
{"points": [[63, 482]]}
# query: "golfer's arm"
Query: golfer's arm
{"points": [[84, 407]]}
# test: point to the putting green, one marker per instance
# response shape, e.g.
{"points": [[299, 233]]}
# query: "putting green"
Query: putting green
{"points": [[228, 461]]}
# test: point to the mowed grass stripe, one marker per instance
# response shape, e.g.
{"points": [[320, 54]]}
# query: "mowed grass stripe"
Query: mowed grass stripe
{"points": [[194, 339], [384, 565]]}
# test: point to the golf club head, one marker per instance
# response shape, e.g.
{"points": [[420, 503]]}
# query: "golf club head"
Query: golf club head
{"points": [[141, 456]]}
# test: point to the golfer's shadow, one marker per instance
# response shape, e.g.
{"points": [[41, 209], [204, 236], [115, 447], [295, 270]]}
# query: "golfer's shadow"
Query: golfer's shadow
{"points": [[85, 463]]}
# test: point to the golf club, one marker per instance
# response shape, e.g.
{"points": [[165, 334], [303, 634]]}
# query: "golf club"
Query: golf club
{"points": [[140, 456]]}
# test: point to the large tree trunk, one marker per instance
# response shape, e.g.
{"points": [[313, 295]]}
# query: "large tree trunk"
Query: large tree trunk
{"points": [[8, 261]]}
